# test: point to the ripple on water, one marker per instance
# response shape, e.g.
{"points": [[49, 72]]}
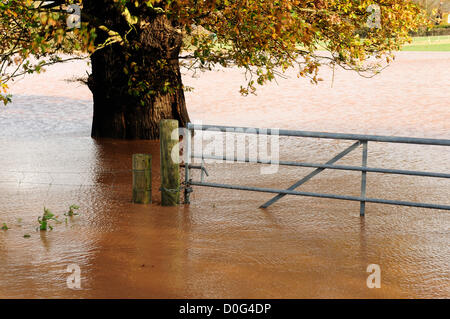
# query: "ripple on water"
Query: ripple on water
{"points": [[223, 245]]}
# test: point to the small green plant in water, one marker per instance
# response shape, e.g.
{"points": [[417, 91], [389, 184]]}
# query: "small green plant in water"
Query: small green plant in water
{"points": [[44, 220], [4, 227], [72, 210], [19, 222]]}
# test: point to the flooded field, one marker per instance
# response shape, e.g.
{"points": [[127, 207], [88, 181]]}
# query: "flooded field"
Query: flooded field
{"points": [[223, 245]]}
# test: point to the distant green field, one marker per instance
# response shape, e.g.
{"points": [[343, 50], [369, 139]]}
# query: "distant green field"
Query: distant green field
{"points": [[435, 43]]}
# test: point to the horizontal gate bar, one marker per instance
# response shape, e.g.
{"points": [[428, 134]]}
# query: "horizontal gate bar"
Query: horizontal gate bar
{"points": [[332, 196], [329, 166], [339, 136], [312, 174]]}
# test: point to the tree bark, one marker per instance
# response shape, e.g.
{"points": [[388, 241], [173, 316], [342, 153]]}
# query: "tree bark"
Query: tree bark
{"points": [[118, 113]]}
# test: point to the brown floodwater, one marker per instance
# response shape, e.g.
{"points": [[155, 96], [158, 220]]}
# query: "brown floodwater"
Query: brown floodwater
{"points": [[223, 245]]}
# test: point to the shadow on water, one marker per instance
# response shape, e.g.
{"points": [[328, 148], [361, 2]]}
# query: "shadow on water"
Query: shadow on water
{"points": [[222, 245]]}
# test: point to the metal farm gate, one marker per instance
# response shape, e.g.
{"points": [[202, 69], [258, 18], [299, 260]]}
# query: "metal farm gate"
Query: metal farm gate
{"points": [[361, 140]]}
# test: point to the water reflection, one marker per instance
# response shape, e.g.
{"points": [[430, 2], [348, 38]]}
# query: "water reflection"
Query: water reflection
{"points": [[222, 245]]}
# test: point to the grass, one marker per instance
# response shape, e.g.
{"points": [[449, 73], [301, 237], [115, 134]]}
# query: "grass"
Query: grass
{"points": [[433, 43], [45, 219]]}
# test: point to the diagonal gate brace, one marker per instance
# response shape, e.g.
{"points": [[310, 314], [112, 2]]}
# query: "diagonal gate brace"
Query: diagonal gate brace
{"points": [[312, 174]]}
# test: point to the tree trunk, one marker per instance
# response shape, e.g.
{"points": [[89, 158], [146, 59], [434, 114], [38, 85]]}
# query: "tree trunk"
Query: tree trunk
{"points": [[119, 113]]}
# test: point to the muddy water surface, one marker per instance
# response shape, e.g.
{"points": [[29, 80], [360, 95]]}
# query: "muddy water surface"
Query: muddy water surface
{"points": [[222, 245]]}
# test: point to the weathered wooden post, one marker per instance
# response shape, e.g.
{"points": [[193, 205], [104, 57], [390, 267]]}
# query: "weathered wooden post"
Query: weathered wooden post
{"points": [[170, 163], [142, 178]]}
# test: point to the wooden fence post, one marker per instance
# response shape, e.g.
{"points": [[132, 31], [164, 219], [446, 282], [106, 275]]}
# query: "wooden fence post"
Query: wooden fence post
{"points": [[142, 178], [170, 167]]}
